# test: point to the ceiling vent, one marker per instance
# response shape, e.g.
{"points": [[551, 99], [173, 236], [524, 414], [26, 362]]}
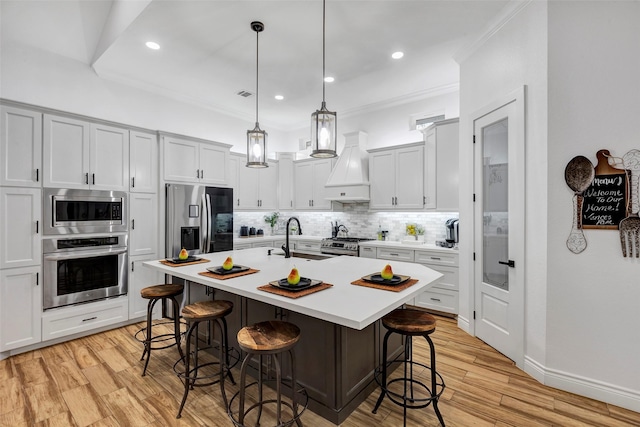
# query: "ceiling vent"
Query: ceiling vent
{"points": [[244, 93]]}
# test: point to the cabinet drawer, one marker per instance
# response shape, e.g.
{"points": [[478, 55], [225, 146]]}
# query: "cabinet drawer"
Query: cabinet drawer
{"points": [[395, 254], [437, 257], [438, 299], [68, 321], [265, 244], [450, 278], [238, 246], [368, 252], [307, 246]]}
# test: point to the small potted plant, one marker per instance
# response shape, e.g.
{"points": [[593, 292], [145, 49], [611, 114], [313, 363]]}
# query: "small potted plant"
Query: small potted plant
{"points": [[272, 220]]}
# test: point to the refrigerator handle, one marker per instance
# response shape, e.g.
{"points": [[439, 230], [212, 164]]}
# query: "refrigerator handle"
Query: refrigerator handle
{"points": [[209, 221], [204, 219]]}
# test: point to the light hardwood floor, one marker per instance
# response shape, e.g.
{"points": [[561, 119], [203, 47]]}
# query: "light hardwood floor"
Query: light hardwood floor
{"points": [[96, 381]]}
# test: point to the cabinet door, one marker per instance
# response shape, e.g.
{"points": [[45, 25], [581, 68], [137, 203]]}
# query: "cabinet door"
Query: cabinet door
{"points": [[430, 169], [21, 147], [303, 185], [410, 178], [181, 160], [285, 183], [20, 307], [321, 172], [213, 164], [65, 152], [234, 166], [448, 171], [141, 277], [268, 187], [20, 227], [382, 177], [247, 195], [109, 154], [144, 233], [143, 169]]}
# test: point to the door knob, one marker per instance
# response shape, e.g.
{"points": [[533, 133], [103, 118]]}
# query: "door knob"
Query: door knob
{"points": [[511, 263]]}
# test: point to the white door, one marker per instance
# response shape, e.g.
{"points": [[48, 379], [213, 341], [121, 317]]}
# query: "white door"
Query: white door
{"points": [[499, 226]]}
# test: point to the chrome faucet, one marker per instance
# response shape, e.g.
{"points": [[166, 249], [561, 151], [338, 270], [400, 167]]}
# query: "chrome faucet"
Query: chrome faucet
{"points": [[285, 247]]}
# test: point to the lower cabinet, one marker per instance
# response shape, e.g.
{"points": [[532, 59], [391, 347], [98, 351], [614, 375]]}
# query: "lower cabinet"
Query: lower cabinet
{"points": [[84, 317], [141, 277], [20, 307]]}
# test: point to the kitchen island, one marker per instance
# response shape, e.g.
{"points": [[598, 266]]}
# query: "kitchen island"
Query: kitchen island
{"points": [[340, 344]]}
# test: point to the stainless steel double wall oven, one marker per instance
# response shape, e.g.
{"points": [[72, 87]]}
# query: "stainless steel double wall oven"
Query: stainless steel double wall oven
{"points": [[85, 246]]}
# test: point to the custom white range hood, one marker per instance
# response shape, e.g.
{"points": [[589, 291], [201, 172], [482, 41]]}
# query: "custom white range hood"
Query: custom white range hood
{"points": [[349, 179]]}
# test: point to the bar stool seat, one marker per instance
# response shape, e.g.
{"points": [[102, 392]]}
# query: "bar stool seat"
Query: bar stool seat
{"points": [[194, 314], [145, 335], [413, 394], [270, 338]]}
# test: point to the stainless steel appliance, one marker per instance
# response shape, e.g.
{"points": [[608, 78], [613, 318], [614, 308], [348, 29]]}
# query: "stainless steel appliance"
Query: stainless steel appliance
{"points": [[199, 219], [68, 211], [452, 230], [83, 268], [342, 245]]}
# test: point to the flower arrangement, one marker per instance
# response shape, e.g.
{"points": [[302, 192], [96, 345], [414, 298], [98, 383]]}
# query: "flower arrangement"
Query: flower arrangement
{"points": [[272, 219]]}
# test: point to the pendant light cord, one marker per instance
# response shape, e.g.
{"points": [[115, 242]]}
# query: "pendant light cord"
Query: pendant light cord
{"points": [[323, 36], [257, 49]]}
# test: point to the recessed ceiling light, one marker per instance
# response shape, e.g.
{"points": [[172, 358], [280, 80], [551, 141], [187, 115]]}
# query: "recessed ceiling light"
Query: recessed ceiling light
{"points": [[152, 45], [279, 97], [397, 55], [329, 79]]}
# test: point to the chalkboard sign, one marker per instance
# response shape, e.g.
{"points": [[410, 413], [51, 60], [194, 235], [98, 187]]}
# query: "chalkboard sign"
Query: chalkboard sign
{"points": [[605, 201]]}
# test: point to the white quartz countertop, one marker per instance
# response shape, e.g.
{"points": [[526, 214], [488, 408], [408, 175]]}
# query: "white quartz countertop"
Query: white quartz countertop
{"points": [[344, 304], [400, 245], [277, 237]]}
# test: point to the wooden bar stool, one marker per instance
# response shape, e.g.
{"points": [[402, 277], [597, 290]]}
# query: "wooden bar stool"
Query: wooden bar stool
{"points": [[194, 314], [144, 335], [271, 339], [409, 323]]}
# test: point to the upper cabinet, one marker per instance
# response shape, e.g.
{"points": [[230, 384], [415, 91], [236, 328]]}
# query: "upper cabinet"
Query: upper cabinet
{"points": [[396, 177], [285, 181], [143, 169], [21, 145], [441, 166], [310, 176], [20, 227], [193, 161], [257, 188], [78, 154]]}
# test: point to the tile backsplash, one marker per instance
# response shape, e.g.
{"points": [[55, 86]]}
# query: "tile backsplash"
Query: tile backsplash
{"points": [[356, 218]]}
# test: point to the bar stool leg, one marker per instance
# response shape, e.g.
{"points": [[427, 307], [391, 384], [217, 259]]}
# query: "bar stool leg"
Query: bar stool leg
{"points": [[187, 380], [294, 403], [384, 372], [226, 346], [176, 324], [432, 353], [243, 378], [147, 341]]}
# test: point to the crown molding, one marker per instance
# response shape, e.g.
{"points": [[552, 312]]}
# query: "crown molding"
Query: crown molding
{"points": [[511, 10]]}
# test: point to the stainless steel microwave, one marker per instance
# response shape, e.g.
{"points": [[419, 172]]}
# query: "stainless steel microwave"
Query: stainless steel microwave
{"points": [[68, 211]]}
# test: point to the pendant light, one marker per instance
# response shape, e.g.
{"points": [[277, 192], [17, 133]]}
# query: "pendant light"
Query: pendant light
{"points": [[257, 138], [324, 123]]}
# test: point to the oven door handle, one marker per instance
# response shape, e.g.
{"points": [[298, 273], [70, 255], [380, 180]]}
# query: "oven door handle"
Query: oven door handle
{"points": [[83, 254]]}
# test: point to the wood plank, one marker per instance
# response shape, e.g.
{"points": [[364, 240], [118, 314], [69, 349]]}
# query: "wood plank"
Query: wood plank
{"points": [[117, 359], [17, 418], [67, 375], [102, 379], [164, 408], [33, 371], [63, 419], [127, 409], [11, 396], [84, 356], [85, 405], [44, 400]]}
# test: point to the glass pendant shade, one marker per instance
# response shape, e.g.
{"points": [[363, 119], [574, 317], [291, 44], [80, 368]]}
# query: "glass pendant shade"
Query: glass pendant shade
{"points": [[257, 148], [324, 130]]}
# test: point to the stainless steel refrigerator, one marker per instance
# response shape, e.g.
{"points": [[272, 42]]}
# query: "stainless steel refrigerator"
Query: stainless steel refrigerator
{"points": [[199, 219]]}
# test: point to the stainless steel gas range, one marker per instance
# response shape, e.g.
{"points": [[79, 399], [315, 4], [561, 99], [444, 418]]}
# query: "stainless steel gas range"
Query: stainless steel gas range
{"points": [[342, 245]]}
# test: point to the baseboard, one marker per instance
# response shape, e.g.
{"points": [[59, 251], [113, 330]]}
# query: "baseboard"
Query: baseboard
{"points": [[463, 323], [594, 389]]}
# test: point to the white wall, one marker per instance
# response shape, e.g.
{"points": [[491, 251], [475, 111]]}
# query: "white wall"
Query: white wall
{"points": [[593, 299], [511, 58], [580, 62]]}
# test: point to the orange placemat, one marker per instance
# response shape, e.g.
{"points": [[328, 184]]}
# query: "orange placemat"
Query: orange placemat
{"points": [[394, 288], [294, 294], [182, 264], [227, 276]]}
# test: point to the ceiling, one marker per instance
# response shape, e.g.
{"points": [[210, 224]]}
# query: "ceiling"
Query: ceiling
{"points": [[208, 49]]}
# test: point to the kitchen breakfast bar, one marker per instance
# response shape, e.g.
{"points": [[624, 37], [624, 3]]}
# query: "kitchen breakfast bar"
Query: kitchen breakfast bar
{"points": [[341, 335]]}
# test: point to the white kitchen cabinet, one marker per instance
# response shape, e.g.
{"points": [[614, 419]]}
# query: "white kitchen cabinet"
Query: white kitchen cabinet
{"points": [[20, 227], [85, 155], [20, 307], [194, 161], [257, 188], [143, 234], [308, 245], [396, 177], [441, 175], [140, 277], [20, 147], [368, 252], [310, 176], [395, 254], [234, 163], [143, 166], [285, 181]]}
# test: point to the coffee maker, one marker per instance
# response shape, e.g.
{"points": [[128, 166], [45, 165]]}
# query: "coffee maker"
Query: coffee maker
{"points": [[452, 232]]}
